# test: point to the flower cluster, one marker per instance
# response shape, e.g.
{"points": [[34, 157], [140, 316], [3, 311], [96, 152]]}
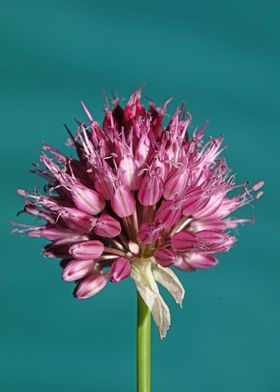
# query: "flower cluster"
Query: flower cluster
{"points": [[138, 198]]}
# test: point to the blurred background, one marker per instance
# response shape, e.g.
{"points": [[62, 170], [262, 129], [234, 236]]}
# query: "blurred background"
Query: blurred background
{"points": [[223, 59]]}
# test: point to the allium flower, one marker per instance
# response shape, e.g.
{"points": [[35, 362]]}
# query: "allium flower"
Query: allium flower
{"points": [[139, 198]]}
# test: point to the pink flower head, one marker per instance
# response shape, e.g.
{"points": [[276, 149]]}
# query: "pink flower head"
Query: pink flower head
{"points": [[138, 197]]}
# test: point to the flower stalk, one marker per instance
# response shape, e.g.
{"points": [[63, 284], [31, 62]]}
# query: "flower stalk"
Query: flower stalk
{"points": [[143, 346]]}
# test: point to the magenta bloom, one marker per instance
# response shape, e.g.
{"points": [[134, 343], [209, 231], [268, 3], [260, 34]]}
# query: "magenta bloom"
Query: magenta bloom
{"points": [[138, 198]]}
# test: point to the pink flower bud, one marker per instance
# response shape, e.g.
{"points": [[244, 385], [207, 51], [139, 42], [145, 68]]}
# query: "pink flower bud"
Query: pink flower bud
{"points": [[175, 183], [210, 208], [151, 189], [120, 270], [193, 261], [107, 226], [127, 172], [149, 233], [87, 250], [87, 199], [202, 241], [142, 150], [77, 269], [169, 212], [56, 251], [133, 108], [103, 180], [76, 220], [183, 240], [91, 286], [123, 202], [194, 201], [165, 257], [214, 242]]}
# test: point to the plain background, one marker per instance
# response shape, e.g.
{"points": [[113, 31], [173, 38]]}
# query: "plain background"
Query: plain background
{"points": [[222, 58]]}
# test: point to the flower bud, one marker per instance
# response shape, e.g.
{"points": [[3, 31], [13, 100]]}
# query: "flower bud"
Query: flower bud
{"points": [[123, 202], [193, 261], [175, 183], [76, 220], [142, 150], [77, 269], [194, 201], [90, 286], [169, 212], [149, 233], [56, 251], [183, 241], [210, 208], [87, 199], [87, 250], [103, 180], [165, 257], [215, 242], [127, 172], [120, 270], [107, 226], [151, 189], [205, 241]]}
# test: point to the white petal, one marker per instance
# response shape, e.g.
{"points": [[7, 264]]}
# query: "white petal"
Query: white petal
{"points": [[167, 278], [147, 287]]}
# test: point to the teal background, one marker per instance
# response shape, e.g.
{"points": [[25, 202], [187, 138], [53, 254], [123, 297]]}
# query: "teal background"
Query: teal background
{"points": [[222, 58]]}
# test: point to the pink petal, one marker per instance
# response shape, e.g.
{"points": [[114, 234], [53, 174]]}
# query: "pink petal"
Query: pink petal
{"points": [[107, 226], [87, 250], [104, 182], [123, 202], [183, 240], [56, 251], [151, 190], [77, 269], [51, 232], [215, 241], [193, 261], [76, 220], [87, 200], [149, 233], [120, 270], [165, 257], [91, 286], [194, 202], [169, 212], [142, 150], [210, 208], [128, 173], [175, 183]]}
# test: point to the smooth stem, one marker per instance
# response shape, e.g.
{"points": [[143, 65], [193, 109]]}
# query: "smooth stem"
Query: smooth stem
{"points": [[143, 346]]}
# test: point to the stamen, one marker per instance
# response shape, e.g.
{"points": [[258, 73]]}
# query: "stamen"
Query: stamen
{"points": [[182, 224], [258, 185]]}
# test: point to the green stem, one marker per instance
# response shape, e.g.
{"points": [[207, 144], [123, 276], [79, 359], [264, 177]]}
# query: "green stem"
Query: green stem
{"points": [[143, 346]]}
